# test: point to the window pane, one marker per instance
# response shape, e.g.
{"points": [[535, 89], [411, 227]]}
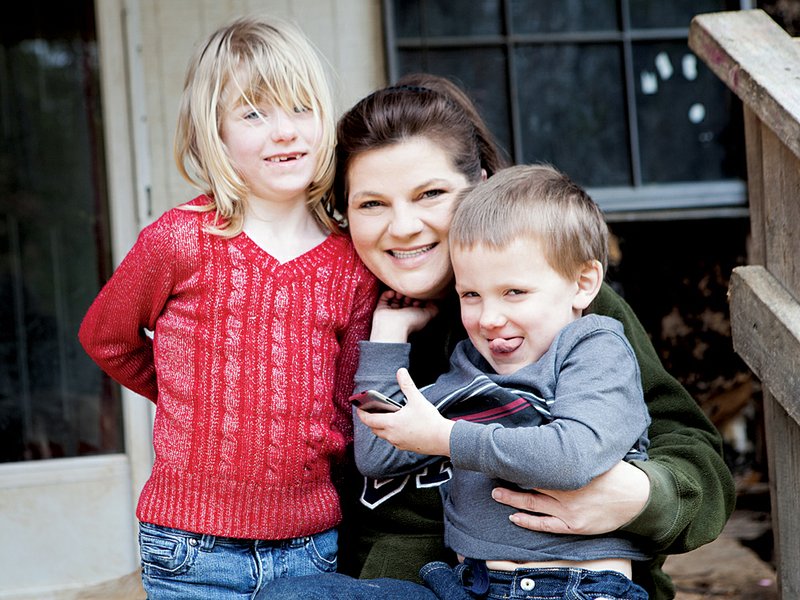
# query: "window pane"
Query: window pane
{"points": [[482, 72], [572, 111], [54, 402], [435, 18], [569, 15], [686, 113], [675, 13]]}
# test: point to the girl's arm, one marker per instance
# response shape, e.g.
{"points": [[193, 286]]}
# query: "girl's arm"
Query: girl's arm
{"points": [[113, 331], [364, 295]]}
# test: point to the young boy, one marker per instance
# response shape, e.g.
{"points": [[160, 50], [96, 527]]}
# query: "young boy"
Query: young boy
{"points": [[539, 396]]}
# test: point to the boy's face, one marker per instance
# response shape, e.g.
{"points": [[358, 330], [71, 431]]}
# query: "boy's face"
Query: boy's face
{"points": [[513, 303]]}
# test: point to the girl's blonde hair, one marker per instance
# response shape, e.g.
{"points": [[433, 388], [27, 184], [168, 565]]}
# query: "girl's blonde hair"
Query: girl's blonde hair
{"points": [[252, 60], [533, 201]]}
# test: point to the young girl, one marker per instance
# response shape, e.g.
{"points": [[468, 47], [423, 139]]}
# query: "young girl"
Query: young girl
{"points": [[256, 302]]}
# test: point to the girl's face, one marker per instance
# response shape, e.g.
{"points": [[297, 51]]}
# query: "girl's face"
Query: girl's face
{"points": [[399, 206], [273, 150]]}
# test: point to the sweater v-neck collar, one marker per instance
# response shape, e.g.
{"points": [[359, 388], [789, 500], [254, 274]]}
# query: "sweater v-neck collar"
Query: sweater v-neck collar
{"points": [[320, 253]]}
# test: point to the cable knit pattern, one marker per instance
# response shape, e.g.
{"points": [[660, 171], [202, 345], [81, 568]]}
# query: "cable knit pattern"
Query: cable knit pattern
{"points": [[250, 366]]}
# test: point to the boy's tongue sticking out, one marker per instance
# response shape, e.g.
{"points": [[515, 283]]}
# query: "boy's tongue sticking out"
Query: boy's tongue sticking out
{"points": [[504, 346]]}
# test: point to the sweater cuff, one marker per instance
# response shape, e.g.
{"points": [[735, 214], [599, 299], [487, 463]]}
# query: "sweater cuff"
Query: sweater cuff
{"points": [[657, 518]]}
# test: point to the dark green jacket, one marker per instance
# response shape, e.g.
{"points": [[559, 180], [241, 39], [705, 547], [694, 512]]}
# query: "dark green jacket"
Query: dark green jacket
{"points": [[691, 489]]}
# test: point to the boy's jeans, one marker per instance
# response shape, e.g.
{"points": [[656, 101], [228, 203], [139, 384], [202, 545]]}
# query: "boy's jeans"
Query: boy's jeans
{"points": [[527, 584], [179, 564]]}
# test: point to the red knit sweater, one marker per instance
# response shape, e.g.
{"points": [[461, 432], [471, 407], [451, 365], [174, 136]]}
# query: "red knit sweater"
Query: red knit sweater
{"points": [[250, 367]]}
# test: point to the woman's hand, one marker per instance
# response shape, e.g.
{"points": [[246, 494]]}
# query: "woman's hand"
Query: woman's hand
{"points": [[417, 427], [609, 501], [397, 315]]}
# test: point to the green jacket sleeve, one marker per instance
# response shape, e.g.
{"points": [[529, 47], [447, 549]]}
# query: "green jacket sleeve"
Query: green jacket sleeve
{"points": [[691, 489]]}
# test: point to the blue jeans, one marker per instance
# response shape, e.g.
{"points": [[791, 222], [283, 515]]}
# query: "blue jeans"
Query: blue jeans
{"points": [[336, 586], [527, 584], [180, 565]]}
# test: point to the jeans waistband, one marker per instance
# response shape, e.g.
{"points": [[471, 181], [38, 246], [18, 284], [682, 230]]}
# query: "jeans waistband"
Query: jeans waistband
{"points": [[207, 541], [545, 581]]}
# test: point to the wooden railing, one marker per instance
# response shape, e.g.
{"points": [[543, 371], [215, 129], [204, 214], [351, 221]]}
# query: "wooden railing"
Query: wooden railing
{"points": [[760, 62]]}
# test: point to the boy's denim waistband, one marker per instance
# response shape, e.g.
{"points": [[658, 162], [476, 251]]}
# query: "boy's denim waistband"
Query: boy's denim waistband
{"points": [[556, 582]]}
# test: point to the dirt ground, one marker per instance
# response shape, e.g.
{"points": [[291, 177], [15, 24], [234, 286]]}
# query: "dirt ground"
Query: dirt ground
{"points": [[725, 569]]}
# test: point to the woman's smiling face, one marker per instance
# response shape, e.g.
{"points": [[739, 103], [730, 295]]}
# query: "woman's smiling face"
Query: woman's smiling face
{"points": [[399, 205]]}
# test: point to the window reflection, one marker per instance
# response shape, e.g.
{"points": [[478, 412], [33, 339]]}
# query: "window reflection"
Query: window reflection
{"points": [[672, 87], [417, 18], [54, 251], [605, 89], [570, 97], [567, 15]]}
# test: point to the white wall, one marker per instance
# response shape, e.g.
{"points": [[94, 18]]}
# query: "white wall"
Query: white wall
{"points": [[65, 523]]}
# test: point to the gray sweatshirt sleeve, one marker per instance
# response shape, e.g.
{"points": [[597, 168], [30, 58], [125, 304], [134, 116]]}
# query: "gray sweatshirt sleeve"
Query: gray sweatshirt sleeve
{"points": [[598, 415], [377, 370]]}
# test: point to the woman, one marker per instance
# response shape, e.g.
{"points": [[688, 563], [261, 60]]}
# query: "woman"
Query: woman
{"points": [[403, 155]]}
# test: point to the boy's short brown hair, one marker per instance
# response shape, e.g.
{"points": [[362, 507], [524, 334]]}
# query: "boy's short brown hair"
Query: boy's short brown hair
{"points": [[533, 201]]}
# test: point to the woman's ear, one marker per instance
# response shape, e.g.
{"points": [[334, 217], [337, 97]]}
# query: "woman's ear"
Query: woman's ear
{"points": [[590, 278], [484, 175]]}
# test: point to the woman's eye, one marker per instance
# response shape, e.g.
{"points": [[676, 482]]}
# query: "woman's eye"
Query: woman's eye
{"points": [[302, 109], [515, 292], [369, 204], [469, 295], [252, 115], [431, 193]]}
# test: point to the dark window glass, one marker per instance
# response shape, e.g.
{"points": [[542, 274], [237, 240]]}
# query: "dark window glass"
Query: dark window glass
{"points": [[568, 15], [482, 72], [570, 111], [674, 13], [54, 254], [436, 18], [605, 89], [685, 113]]}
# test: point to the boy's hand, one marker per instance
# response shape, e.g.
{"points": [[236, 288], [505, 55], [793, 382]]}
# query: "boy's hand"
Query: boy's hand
{"points": [[396, 316], [417, 427]]}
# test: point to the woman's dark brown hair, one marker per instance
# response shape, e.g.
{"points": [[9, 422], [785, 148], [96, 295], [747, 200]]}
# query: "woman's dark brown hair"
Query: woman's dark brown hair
{"points": [[418, 105]]}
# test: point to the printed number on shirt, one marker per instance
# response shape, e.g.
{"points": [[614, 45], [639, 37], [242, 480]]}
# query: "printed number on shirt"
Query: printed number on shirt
{"points": [[378, 491]]}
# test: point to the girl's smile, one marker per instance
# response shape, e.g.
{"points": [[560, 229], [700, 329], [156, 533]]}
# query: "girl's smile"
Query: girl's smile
{"points": [[282, 158], [274, 150]]}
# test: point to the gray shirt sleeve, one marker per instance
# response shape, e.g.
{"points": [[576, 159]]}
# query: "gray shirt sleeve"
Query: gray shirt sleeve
{"points": [[377, 370], [598, 415]]}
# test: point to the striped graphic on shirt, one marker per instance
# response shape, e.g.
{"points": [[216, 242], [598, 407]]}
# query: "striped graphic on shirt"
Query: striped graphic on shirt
{"points": [[484, 401], [479, 401]]}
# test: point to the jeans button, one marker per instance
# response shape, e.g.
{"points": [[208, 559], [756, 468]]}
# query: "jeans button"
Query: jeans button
{"points": [[527, 584], [192, 542]]}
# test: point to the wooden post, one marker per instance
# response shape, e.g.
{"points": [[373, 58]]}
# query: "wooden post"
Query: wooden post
{"points": [[760, 62]]}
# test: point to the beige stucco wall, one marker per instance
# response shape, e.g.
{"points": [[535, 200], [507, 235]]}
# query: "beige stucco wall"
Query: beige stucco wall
{"points": [[347, 32]]}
